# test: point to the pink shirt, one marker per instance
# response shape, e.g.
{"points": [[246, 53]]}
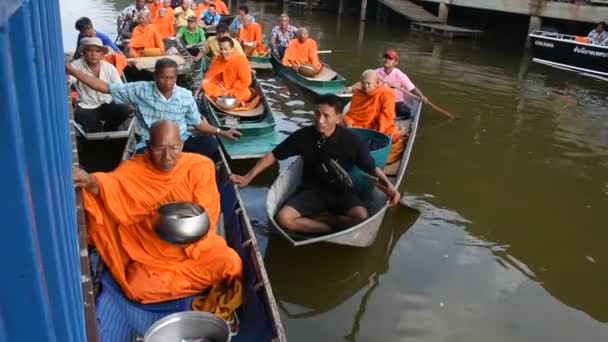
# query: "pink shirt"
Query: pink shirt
{"points": [[396, 78]]}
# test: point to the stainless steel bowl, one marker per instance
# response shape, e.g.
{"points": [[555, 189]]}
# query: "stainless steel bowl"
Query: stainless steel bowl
{"points": [[226, 102], [182, 222], [189, 326]]}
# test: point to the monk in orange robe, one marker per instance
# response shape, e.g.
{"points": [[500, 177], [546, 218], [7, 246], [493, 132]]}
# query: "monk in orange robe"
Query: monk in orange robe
{"points": [[302, 50], [373, 107], [121, 208], [145, 39], [221, 7], [170, 11], [164, 24], [228, 74], [250, 37], [154, 7]]}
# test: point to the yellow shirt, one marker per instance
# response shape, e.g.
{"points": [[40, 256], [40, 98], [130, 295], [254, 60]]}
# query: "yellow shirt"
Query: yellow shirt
{"points": [[181, 16], [212, 48]]}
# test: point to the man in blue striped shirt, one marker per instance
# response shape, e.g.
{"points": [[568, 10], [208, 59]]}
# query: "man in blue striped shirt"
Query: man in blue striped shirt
{"points": [[163, 99]]}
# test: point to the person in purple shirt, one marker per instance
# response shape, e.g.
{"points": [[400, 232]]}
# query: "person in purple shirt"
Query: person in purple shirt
{"points": [[85, 28]]}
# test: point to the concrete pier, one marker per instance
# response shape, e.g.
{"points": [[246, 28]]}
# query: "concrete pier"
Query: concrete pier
{"points": [[444, 10], [540, 8]]}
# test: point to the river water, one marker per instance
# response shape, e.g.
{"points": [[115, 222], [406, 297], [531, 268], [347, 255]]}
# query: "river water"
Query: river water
{"points": [[503, 240]]}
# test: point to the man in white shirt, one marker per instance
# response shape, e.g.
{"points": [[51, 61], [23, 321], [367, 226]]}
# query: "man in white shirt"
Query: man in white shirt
{"points": [[95, 111], [599, 36]]}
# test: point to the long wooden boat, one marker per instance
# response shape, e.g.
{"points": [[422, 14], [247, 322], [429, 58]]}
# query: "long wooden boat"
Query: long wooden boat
{"points": [[257, 126], [360, 235], [327, 81], [117, 319], [565, 52], [142, 68], [260, 62]]}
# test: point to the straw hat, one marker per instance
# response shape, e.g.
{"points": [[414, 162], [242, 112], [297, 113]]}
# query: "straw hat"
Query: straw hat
{"points": [[92, 41]]}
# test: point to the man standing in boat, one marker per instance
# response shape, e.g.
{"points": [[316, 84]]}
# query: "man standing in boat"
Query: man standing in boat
{"points": [[92, 107], [390, 75], [599, 36], [328, 150], [85, 28], [127, 19], [162, 99]]}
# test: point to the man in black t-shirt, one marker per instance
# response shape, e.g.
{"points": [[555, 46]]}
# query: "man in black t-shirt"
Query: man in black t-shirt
{"points": [[327, 149]]}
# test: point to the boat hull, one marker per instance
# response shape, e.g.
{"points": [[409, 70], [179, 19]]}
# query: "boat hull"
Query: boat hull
{"points": [[565, 52], [258, 133], [361, 235]]}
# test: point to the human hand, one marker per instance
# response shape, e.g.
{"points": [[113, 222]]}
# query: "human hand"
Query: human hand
{"points": [[240, 181], [231, 134], [81, 177], [393, 197], [69, 68]]}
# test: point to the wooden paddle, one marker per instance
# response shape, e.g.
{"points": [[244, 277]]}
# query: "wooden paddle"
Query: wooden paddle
{"points": [[434, 106]]}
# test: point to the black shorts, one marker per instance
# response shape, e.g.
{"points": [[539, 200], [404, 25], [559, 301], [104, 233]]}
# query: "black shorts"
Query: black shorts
{"points": [[312, 201]]}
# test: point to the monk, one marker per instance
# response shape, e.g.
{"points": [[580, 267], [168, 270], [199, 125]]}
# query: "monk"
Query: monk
{"points": [[250, 37], [164, 24], [154, 7], [373, 107], [121, 208], [170, 11], [221, 7], [145, 40], [228, 74], [302, 50]]}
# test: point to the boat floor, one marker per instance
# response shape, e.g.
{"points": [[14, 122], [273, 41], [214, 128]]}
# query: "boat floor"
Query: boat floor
{"points": [[326, 74], [248, 147]]}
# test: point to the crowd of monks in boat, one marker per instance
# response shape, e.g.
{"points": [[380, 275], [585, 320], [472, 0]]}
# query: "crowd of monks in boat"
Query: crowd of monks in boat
{"points": [[175, 163]]}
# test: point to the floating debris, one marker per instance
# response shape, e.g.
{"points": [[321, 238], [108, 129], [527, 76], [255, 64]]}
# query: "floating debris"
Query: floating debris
{"points": [[302, 112], [284, 95], [266, 84], [295, 103]]}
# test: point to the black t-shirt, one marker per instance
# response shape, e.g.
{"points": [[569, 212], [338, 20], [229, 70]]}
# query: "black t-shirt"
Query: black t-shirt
{"points": [[343, 145]]}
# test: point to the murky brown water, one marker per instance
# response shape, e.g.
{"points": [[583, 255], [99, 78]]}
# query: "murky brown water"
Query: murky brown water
{"points": [[507, 238]]}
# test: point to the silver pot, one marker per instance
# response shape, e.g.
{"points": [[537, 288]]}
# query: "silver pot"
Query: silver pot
{"points": [[182, 222], [226, 102], [190, 326]]}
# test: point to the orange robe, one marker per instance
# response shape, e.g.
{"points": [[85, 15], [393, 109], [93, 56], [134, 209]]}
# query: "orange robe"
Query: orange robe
{"points": [[118, 60], [121, 226], [146, 37], [253, 33], [221, 7], [154, 9], [199, 10], [171, 14], [164, 26], [302, 53], [228, 77], [376, 111]]}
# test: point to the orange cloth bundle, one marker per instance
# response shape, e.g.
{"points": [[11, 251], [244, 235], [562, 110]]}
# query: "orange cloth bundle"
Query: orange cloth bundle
{"points": [[302, 53], [581, 39], [118, 60], [228, 77], [376, 111], [222, 300], [120, 225]]}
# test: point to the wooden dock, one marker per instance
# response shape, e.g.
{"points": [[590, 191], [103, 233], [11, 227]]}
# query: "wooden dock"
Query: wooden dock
{"points": [[308, 5], [443, 30], [411, 11]]}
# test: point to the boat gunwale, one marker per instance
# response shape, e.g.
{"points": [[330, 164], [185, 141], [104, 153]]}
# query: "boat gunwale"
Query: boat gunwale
{"points": [[376, 216], [306, 82], [533, 34]]}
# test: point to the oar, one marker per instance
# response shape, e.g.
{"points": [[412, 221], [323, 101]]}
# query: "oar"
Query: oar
{"points": [[329, 51], [434, 106]]}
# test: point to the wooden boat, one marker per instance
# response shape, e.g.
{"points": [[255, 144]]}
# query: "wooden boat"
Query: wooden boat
{"points": [[360, 235], [260, 62], [116, 318], [142, 68], [257, 126], [327, 81], [566, 52]]}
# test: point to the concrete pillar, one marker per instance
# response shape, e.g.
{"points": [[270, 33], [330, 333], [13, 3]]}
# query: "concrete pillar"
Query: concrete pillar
{"points": [[444, 9], [363, 9], [340, 6], [535, 24]]}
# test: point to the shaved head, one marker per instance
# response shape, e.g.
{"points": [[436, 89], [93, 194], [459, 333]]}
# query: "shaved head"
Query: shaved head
{"points": [[165, 145], [369, 80], [302, 34]]}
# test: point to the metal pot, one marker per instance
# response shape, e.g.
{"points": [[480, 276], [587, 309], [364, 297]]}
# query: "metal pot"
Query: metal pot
{"points": [[226, 102], [182, 222], [190, 326]]}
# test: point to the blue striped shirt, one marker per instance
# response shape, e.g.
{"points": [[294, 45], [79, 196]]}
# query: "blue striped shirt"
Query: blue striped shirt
{"points": [[152, 105]]}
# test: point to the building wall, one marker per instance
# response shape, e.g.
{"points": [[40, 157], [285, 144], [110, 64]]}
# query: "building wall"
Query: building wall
{"points": [[40, 289], [541, 8]]}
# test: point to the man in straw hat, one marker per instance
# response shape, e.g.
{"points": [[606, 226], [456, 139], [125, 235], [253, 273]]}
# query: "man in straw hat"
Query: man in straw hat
{"points": [[94, 107]]}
